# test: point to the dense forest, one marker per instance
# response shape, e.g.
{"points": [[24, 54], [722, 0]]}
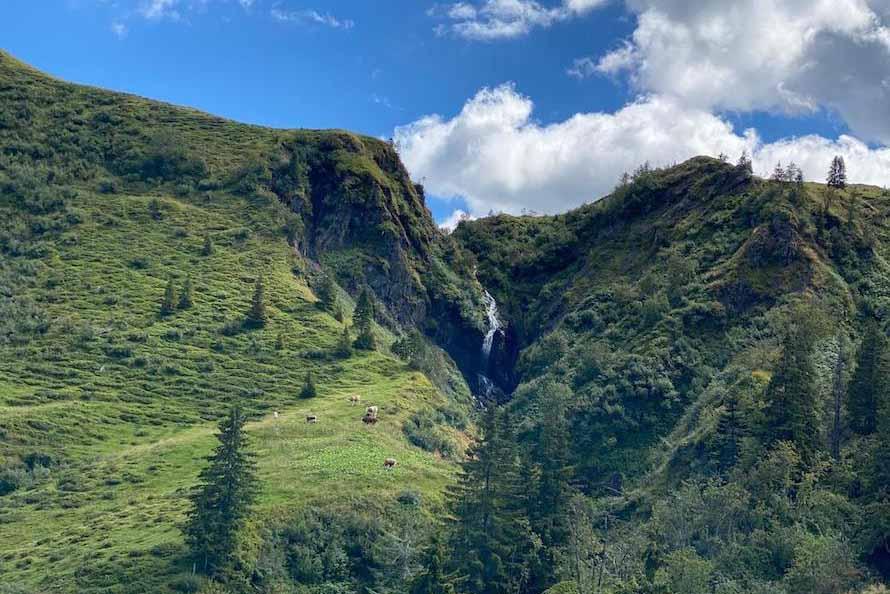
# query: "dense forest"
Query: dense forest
{"points": [[242, 360]]}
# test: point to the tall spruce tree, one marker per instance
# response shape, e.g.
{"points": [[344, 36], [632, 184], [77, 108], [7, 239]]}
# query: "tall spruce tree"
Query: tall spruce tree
{"points": [[186, 298], [732, 428], [221, 501], [168, 304], [256, 315], [344, 345], [309, 390], [326, 291], [433, 579], [837, 174], [869, 382], [363, 318], [792, 391], [552, 493], [491, 541]]}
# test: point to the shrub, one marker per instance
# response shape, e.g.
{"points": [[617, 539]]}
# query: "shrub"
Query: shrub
{"points": [[309, 390]]}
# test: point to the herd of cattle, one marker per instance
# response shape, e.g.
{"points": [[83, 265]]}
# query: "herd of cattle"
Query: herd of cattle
{"points": [[370, 418]]}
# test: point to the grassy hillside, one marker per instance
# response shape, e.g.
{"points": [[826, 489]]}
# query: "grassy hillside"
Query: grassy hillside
{"points": [[108, 408]]}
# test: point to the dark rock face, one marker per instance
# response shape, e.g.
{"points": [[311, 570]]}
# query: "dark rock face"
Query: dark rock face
{"points": [[366, 222]]}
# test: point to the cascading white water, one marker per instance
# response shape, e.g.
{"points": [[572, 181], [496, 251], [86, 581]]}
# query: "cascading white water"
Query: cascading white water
{"points": [[494, 324]]}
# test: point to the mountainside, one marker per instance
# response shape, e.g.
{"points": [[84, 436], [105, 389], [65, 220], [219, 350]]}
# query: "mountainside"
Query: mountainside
{"points": [[107, 404], [691, 376], [666, 309]]}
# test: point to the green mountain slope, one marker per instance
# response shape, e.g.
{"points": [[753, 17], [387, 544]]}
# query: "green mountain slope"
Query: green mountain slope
{"points": [[108, 408], [667, 309]]}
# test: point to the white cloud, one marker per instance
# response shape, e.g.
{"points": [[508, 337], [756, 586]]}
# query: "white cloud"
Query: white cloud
{"points": [[504, 19], [158, 9], [311, 17], [788, 55], [119, 29], [495, 156], [454, 219]]}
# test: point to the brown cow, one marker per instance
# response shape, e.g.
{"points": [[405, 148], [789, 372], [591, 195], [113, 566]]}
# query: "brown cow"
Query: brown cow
{"points": [[390, 463], [355, 399]]}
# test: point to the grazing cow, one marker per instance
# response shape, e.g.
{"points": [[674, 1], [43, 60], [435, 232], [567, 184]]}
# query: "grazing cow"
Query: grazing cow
{"points": [[355, 399], [275, 414], [369, 419], [390, 463], [372, 410], [311, 419]]}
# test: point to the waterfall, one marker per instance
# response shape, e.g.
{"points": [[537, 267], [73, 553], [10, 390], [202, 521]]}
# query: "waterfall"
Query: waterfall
{"points": [[494, 324], [486, 386]]}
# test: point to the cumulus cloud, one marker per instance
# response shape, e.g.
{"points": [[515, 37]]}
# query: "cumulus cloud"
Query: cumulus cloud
{"points": [[504, 19], [787, 55], [311, 17], [454, 219], [497, 157]]}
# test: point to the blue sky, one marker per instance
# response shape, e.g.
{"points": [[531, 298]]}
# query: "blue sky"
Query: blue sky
{"points": [[571, 83]]}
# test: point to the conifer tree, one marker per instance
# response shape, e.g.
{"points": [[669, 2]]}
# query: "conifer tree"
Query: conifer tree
{"points": [[732, 428], [309, 390], [551, 497], [363, 318], [433, 579], [222, 499], [326, 291], [792, 391], [256, 316], [745, 162], [186, 298], [882, 453], [344, 346], [869, 381], [491, 542], [837, 174], [168, 305], [207, 250]]}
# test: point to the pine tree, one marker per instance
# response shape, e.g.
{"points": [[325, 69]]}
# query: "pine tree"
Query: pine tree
{"points": [[869, 381], [326, 291], [552, 494], [433, 579], [745, 163], [168, 305], [186, 298], [207, 250], [882, 453], [309, 390], [792, 391], [344, 346], [778, 173], [491, 541], [363, 318], [222, 499], [732, 428], [837, 174], [256, 316], [839, 396]]}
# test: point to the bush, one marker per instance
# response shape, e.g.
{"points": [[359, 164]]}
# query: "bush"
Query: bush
{"points": [[309, 390], [424, 429]]}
